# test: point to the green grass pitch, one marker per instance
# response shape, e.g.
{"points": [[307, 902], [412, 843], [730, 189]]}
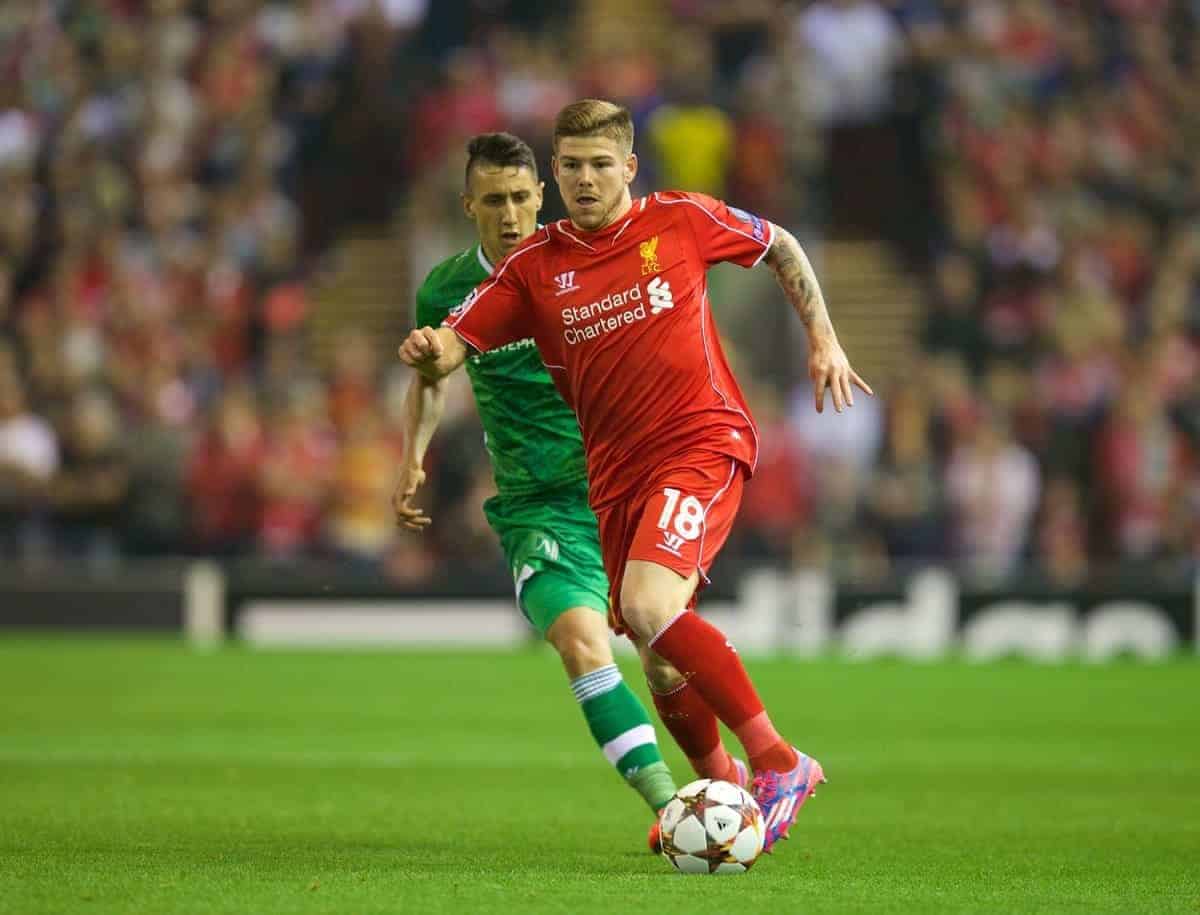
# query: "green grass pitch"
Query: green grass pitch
{"points": [[137, 776]]}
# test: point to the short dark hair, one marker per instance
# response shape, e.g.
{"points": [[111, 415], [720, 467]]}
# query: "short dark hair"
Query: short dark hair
{"points": [[502, 149]]}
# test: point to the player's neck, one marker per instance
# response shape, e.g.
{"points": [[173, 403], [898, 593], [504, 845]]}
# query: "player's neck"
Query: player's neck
{"points": [[623, 207]]}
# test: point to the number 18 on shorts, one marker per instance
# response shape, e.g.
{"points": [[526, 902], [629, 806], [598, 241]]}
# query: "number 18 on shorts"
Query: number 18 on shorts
{"points": [[681, 521], [688, 514]]}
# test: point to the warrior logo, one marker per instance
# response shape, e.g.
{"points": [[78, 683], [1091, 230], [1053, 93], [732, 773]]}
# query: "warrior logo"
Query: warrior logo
{"points": [[565, 283]]}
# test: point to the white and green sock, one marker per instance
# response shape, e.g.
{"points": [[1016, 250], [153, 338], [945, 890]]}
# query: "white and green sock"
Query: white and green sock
{"points": [[622, 729]]}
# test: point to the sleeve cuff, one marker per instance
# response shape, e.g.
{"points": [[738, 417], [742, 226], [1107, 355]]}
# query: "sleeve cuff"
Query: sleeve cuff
{"points": [[767, 244], [466, 338]]}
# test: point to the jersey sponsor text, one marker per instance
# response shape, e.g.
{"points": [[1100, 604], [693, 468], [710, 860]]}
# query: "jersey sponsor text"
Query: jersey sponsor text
{"points": [[573, 318]]}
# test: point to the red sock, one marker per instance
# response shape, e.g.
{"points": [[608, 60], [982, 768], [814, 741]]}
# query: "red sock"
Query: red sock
{"points": [[709, 663], [765, 748], [694, 727]]}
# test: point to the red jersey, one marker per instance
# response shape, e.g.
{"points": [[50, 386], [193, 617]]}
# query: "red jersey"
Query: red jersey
{"points": [[622, 319]]}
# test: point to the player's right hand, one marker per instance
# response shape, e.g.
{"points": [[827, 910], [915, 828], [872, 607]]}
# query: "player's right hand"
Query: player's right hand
{"points": [[408, 515], [829, 367], [421, 347]]}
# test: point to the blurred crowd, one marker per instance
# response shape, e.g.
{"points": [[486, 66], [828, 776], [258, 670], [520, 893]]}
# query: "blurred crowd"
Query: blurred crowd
{"points": [[169, 172], [1064, 320], [176, 172]]}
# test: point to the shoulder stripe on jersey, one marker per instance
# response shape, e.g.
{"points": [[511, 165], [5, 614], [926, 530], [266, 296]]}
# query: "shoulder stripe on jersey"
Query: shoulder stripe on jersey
{"points": [[641, 205], [496, 278], [724, 225]]}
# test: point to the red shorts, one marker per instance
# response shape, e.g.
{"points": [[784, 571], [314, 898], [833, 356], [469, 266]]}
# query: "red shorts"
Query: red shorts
{"points": [[679, 519]]}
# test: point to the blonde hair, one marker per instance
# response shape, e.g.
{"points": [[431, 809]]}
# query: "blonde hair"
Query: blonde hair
{"points": [[591, 117]]}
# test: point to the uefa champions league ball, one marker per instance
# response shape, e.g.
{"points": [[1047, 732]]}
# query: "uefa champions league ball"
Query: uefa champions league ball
{"points": [[712, 827]]}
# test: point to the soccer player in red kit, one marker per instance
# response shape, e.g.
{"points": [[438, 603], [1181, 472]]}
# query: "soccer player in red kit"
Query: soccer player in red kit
{"points": [[616, 299]]}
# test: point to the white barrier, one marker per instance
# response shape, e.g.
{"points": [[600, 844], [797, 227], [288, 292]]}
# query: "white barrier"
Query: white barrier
{"points": [[800, 614]]}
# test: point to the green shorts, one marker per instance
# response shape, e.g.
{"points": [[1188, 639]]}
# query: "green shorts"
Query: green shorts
{"points": [[553, 550]]}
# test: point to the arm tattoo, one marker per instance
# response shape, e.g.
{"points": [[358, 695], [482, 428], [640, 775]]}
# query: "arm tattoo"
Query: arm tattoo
{"points": [[795, 276]]}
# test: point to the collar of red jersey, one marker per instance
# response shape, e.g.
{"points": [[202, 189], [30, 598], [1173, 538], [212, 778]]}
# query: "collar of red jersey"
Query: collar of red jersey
{"points": [[610, 233], [481, 255]]}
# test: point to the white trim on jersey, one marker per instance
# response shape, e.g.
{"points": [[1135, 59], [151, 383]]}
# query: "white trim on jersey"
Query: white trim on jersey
{"points": [[483, 260], [724, 225], [770, 241], [495, 279], [572, 237], [629, 221]]}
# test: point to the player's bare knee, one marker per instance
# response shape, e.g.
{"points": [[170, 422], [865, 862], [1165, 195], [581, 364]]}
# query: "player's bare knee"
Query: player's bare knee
{"points": [[638, 620], [651, 595], [580, 636], [645, 612], [582, 656]]}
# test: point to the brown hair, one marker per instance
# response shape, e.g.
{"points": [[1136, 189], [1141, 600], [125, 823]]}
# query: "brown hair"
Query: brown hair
{"points": [[592, 117]]}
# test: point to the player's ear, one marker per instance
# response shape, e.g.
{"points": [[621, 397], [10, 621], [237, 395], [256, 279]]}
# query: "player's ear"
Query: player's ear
{"points": [[554, 167], [631, 168], [541, 188], [468, 205]]}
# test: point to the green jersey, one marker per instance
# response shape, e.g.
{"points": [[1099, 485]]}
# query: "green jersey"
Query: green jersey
{"points": [[532, 436]]}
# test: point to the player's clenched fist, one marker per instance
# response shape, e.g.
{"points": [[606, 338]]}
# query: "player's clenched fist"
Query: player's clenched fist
{"points": [[421, 347]]}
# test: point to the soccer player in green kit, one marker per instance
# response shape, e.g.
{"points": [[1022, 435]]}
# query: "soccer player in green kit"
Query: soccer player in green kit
{"points": [[541, 513]]}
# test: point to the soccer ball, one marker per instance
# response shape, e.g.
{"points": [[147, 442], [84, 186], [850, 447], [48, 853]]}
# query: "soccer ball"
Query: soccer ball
{"points": [[712, 827]]}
